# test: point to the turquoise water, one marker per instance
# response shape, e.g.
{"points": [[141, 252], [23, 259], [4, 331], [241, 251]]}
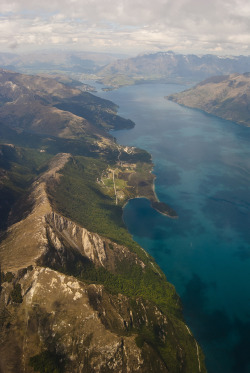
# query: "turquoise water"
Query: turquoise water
{"points": [[202, 165]]}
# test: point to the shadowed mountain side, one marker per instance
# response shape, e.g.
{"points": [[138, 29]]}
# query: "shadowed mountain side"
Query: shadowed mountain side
{"points": [[25, 240], [45, 106]]}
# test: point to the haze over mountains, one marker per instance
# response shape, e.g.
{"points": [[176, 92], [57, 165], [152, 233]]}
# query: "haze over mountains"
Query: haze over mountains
{"points": [[47, 61], [171, 67], [114, 72]]}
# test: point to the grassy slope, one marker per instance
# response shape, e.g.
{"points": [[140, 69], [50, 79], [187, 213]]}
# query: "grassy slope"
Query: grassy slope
{"points": [[227, 97]]}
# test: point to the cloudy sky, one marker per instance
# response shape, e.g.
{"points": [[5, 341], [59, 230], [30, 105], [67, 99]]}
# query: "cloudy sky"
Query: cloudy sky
{"points": [[126, 26]]}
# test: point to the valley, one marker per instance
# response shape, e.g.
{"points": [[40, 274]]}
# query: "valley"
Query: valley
{"points": [[124, 186]]}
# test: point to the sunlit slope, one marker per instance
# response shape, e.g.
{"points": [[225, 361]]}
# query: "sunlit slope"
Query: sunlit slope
{"points": [[227, 97], [76, 292]]}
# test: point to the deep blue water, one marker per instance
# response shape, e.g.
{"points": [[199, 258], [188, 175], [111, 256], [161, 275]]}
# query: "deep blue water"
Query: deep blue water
{"points": [[202, 165]]}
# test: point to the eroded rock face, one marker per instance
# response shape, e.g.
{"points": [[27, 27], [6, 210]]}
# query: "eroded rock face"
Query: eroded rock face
{"points": [[48, 238], [62, 233], [83, 326], [78, 321]]}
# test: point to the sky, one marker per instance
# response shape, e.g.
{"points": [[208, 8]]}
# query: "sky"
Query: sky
{"points": [[131, 27]]}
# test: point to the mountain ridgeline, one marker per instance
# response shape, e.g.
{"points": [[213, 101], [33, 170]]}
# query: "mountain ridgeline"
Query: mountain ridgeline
{"points": [[77, 294], [227, 97], [75, 62], [115, 71], [169, 67]]}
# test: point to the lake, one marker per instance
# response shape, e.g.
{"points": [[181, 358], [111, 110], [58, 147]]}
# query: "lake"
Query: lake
{"points": [[202, 164]]}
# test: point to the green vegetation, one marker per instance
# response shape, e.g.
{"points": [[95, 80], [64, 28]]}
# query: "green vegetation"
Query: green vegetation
{"points": [[51, 144], [163, 208], [84, 191], [128, 278], [131, 181], [79, 197], [133, 281]]}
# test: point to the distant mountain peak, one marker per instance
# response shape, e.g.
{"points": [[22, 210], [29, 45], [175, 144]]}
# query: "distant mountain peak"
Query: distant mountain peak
{"points": [[171, 67]]}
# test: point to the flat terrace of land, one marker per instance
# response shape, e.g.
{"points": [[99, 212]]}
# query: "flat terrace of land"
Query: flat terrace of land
{"points": [[126, 181]]}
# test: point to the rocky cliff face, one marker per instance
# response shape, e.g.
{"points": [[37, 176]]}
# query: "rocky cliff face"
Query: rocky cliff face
{"points": [[82, 325], [62, 233], [53, 320], [46, 237], [84, 328]]}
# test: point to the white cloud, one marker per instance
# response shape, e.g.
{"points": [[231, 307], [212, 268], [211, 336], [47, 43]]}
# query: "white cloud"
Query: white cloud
{"points": [[127, 25]]}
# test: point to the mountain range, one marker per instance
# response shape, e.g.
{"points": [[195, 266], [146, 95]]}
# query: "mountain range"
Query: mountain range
{"points": [[167, 67], [56, 61], [77, 294], [116, 70]]}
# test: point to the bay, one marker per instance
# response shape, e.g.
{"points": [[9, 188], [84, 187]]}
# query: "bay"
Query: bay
{"points": [[202, 164]]}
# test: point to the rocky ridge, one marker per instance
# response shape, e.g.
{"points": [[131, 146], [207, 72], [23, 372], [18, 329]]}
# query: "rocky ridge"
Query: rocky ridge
{"points": [[45, 231], [62, 313], [77, 294], [26, 239], [81, 325]]}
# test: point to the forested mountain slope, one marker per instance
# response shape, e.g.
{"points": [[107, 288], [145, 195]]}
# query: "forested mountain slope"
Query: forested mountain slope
{"points": [[77, 293]]}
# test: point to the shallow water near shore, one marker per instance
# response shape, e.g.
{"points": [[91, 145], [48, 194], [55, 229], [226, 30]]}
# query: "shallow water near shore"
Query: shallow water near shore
{"points": [[202, 164]]}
